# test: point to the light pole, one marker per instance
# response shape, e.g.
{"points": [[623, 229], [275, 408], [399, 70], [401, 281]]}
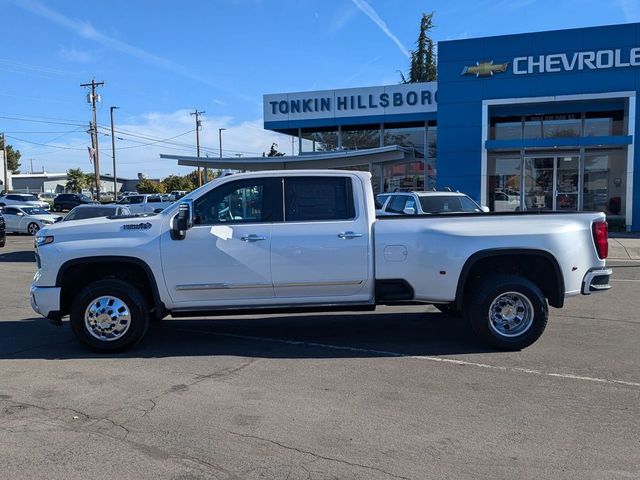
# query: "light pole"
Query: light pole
{"points": [[113, 151], [220, 139]]}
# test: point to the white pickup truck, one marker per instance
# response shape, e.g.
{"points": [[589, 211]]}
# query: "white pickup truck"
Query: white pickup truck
{"points": [[310, 240], [145, 203]]}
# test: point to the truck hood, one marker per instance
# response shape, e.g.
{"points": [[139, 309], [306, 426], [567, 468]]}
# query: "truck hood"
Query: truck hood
{"points": [[105, 228]]}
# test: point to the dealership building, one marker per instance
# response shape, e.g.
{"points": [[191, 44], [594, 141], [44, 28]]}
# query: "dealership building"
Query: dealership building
{"points": [[535, 121]]}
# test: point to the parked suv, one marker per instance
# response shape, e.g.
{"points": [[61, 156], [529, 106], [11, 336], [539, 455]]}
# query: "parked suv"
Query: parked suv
{"points": [[420, 203], [67, 201]]}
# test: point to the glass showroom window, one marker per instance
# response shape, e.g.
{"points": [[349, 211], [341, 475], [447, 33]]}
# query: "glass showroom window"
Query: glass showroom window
{"points": [[359, 138], [410, 136], [533, 126], [404, 177], [602, 124], [506, 128], [561, 125], [504, 184], [319, 141], [605, 182], [432, 154]]}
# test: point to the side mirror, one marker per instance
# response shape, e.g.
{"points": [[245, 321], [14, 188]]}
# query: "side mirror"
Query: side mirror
{"points": [[59, 219], [485, 209], [183, 221], [409, 211]]}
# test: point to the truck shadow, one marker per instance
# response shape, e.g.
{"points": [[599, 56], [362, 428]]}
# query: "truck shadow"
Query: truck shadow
{"points": [[23, 256], [386, 334]]}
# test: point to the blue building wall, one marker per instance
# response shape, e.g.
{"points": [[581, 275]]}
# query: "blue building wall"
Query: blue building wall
{"points": [[460, 96]]}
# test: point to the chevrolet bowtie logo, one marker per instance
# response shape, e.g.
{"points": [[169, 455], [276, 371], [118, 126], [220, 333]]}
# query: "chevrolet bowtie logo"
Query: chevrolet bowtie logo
{"points": [[485, 69]]}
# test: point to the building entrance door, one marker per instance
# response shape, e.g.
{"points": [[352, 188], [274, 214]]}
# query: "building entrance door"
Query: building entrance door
{"points": [[552, 182]]}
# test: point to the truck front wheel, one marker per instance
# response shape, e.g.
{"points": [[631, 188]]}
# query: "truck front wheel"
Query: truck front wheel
{"points": [[109, 315], [508, 312]]}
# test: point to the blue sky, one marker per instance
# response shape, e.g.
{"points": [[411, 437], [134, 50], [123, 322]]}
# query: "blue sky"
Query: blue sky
{"points": [[161, 59]]}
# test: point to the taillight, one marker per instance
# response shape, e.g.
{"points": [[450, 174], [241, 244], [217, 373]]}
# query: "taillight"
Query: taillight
{"points": [[600, 238]]}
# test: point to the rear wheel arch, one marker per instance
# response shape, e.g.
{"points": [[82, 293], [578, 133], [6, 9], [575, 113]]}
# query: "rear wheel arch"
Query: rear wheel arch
{"points": [[538, 266], [76, 273]]}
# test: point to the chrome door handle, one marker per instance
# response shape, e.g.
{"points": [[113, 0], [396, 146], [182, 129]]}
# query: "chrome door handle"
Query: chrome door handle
{"points": [[253, 238], [349, 235]]}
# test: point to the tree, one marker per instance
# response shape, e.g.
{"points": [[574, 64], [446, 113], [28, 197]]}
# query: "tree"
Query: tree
{"points": [[193, 177], [273, 152], [13, 158], [423, 67], [176, 182], [150, 186], [76, 180]]}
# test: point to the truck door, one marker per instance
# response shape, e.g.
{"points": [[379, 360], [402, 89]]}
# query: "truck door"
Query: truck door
{"points": [[224, 259], [321, 250]]}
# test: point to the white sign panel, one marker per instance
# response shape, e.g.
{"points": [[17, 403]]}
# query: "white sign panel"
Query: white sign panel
{"points": [[351, 102]]}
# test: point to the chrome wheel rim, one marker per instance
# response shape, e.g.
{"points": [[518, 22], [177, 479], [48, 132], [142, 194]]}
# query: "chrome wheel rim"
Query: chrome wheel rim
{"points": [[511, 314], [33, 228], [107, 318]]}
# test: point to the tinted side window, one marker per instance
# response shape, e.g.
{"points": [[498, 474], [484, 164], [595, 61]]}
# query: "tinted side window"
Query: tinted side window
{"points": [[318, 198], [9, 211], [135, 199], [396, 204], [242, 201], [13, 197]]}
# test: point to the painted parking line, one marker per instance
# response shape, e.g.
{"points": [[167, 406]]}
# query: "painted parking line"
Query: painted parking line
{"points": [[449, 361]]}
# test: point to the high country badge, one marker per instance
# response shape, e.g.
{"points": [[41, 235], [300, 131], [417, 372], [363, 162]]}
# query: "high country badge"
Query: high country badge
{"points": [[485, 69]]}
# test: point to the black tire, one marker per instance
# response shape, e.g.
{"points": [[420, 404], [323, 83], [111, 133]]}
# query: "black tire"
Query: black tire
{"points": [[57, 208], [520, 298], [132, 298], [33, 228]]}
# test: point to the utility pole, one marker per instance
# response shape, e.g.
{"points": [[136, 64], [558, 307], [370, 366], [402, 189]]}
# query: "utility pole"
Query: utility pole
{"points": [[93, 99], [5, 163], [198, 124], [113, 152]]}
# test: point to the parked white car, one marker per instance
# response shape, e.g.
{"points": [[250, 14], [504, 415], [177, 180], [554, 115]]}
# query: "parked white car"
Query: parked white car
{"points": [[422, 203], [145, 203], [503, 202], [309, 239], [26, 218], [23, 199]]}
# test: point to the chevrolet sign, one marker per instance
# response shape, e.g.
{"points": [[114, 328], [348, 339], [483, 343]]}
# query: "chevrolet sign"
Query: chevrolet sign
{"points": [[485, 69], [589, 60]]}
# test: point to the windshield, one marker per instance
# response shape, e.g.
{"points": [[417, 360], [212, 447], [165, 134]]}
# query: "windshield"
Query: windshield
{"points": [[448, 204], [80, 213], [34, 211], [29, 198]]}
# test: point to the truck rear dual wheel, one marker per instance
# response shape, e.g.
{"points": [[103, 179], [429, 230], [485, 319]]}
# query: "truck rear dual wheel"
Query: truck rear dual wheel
{"points": [[109, 316], [508, 312]]}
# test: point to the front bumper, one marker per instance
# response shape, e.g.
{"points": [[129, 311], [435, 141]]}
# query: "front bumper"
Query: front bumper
{"points": [[596, 280], [46, 301]]}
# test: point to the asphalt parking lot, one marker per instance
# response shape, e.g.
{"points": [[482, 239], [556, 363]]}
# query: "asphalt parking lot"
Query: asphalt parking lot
{"points": [[403, 393]]}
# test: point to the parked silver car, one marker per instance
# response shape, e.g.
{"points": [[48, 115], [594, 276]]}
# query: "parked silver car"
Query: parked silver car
{"points": [[26, 218]]}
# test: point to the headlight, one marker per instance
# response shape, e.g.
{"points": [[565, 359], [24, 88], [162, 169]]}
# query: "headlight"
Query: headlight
{"points": [[47, 222], [43, 240]]}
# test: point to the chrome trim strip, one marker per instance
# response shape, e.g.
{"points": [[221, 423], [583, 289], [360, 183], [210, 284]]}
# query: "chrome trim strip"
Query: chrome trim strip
{"points": [[220, 286], [225, 286], [319, 284]]}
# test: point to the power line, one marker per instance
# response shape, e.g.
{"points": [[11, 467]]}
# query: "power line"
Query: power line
{"points": [[43, 144]]}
